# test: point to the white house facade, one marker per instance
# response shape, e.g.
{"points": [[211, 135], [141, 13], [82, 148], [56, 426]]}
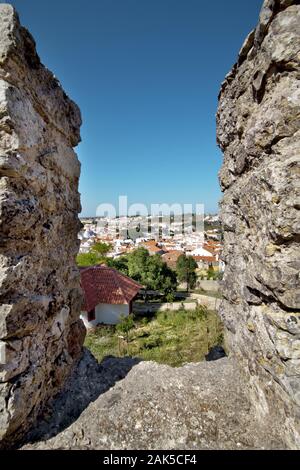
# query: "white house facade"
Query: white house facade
{"points": [[107, 314]]}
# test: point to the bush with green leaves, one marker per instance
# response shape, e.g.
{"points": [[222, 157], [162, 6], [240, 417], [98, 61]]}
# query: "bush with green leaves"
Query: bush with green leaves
{"points": [[170, 297], [101, 248], [145, 321], [186, 270], [96, 255], [125, 324], [211, 272], [201, 312], [87, 259], [120, 264], [153, 342]]}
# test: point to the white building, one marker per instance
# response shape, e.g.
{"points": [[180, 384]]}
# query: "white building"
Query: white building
{"points": [[200, 252], [108, 294]]}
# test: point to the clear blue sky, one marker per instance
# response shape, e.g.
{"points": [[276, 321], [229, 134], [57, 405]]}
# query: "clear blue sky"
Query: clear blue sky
{"points": [[146, 75]]}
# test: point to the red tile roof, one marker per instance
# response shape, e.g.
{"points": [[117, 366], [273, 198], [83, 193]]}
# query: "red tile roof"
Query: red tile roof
{"points": [[171, 258], [105, 285], [151, 246]]}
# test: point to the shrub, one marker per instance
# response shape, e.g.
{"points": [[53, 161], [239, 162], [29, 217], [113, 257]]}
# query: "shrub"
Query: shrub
{"points": [[170, 297], [210, 273], [153, 342], [125, 325], [201, 312], [145, 321]]}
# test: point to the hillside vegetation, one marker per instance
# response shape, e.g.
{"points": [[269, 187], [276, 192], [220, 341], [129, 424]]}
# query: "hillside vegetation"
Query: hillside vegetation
{"points": [[170, 337]]}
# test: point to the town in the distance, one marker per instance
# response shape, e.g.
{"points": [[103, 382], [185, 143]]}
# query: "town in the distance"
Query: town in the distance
{"points": [[169, 240]]}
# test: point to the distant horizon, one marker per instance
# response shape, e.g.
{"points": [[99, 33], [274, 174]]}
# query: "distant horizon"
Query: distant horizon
{"points": [[146, 76], [149, 215]]}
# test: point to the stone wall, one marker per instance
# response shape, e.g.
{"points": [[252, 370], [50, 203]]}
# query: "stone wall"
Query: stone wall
{"points": [[40, 334], [258, 131], [209, 285]]}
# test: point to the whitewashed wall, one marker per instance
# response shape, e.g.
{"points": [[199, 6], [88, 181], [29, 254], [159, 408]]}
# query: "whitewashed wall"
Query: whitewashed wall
{"points": [[107, 314]]}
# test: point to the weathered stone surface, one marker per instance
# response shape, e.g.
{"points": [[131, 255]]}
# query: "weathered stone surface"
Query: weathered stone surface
{"points": [[197, 406], [259, 133], [40, 334]]}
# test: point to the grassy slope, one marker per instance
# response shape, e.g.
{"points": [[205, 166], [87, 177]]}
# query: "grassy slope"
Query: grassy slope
{"points": [[170, 337]]}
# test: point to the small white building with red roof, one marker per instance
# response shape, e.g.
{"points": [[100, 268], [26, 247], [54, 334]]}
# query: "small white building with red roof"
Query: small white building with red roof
{"points": [[108, 294]]}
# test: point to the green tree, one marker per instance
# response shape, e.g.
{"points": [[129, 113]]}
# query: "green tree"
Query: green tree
{"points": [[96, 255], [120, 264], [210, 272], [87, 259], [186, 270], [159, 276], [101, 249], [151, 271], [137, 264]]}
